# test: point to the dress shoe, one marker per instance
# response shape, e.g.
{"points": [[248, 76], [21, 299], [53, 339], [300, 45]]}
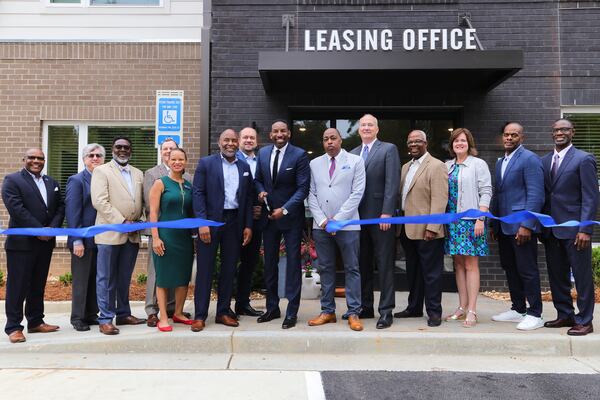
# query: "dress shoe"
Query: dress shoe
{"points": [[354, 323], [385, 321], [80, 326], [232, 314], [197, 325], [43, 328], [407, 314], [164, 328], [434, 321], [581, 330], [152, 320], [108, 329], [130, 320], [268, 316], [178, 320], [289, 322], [16, 337], [322, 319], [560, 323], [248, 310], [226, 320]]}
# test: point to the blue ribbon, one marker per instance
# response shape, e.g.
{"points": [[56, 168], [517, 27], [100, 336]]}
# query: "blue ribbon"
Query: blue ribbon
{"points": [[91, 231], [447, 218]]}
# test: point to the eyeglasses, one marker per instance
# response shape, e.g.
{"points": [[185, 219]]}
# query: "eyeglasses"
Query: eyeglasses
{"points": [[415, 142], [122, 147], [35, 158], [562, 130], [94, 155]]}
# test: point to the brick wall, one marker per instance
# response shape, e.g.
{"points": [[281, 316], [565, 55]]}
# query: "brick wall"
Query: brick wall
{"points": [[89, 82]]}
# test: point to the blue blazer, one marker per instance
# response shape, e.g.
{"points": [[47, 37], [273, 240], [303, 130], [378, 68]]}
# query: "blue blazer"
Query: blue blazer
{"points": [[521, 189], [79, 209], [209, 191], [291, 186], [27, 209], [573, 194], [263, 220]]}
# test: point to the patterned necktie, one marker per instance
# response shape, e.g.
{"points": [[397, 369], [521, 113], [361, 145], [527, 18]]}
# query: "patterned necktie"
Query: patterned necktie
{"points": [[275, 165], [332, 167], [365, 153], [554, 169]]}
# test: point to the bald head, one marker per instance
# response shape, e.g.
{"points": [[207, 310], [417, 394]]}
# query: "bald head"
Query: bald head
{"points": [[332, 142], [34, 161], [248, 140], [228, 144]]}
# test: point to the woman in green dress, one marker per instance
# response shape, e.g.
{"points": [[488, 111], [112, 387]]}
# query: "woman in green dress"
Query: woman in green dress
{"points": [[171, 199]]}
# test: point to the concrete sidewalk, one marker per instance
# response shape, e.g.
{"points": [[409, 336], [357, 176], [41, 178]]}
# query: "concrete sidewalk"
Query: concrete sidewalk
{"points": [[306, 348]]}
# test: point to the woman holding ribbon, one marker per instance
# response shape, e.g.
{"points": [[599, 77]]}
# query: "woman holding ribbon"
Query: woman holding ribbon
{"points": [[470, 187], [171, 199]]}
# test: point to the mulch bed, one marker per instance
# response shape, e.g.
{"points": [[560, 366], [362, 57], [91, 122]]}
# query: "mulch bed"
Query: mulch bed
{"points": [[546, 296]]}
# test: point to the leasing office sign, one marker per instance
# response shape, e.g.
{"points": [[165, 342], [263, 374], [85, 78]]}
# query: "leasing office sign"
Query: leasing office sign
{"points": [[383, 40]]}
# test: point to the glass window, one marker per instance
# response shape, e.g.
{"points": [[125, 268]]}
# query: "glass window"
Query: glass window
{"points": [[143, 152], [308, 133], [63, 153], [125, 2], [65, 1], [587, 132]]}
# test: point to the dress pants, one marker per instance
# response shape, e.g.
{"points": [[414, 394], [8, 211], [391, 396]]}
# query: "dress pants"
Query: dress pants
{"points": [[562, 256], [26, 282], [293, 277], [113, 277], [377, 249], [151, 300], [84, 305], [349, 244], [248, 260], [424, 266], [522, 273], [228, 240]]}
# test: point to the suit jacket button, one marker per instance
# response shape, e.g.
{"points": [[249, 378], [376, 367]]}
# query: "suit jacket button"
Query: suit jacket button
{"points": [[329, 185]]}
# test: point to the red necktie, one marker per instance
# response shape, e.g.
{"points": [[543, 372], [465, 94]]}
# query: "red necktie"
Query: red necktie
{"points": [[332, 167]]}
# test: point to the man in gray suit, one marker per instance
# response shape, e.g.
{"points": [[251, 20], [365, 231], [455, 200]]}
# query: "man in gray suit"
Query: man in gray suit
{"points": [[337, 183], [150, 176], [377, 242]]}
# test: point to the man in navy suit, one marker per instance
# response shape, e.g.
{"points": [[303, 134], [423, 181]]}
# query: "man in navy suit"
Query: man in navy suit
{"points": [[283, 182], [81, 213], [223, 192], [33, 200], [519, 186], [570, 177]]}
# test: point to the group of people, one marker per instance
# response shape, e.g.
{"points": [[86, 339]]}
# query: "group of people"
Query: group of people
{"points": [[259, 197]]}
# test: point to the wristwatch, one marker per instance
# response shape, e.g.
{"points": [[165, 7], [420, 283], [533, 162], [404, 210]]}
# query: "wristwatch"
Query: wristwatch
{"points": [[482, 218], [284, 211]]}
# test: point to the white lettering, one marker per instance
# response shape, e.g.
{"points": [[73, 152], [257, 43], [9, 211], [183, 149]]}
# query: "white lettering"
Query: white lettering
{"points": [[371, 40], [334, 41], [444, 39], [307, 45], [321, 39], [422, 37], [434, 38], [349, 43], [455, 43], [470, 39], [408, 39], [359, 40], [386, 40]]}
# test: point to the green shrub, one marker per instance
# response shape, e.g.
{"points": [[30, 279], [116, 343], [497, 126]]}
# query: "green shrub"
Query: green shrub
{"points": [[596, 265], [66, 279], [1, 278], [141, 278]]}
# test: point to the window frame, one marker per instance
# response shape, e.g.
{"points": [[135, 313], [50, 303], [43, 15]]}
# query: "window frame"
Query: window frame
{"points": [[88, 4]]}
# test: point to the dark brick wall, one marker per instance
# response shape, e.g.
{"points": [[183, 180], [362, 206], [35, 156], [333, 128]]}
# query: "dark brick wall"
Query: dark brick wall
{"points": [[560, 41]]}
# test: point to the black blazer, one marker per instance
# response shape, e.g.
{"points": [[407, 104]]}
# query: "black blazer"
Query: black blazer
{"points": [[27, 209]]}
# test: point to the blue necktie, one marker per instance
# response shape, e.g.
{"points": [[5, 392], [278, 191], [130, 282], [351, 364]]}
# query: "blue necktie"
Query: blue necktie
{"points": [[365, 153]]}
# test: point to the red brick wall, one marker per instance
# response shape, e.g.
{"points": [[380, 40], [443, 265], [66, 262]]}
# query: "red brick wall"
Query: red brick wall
{"points": [[89, 82]]}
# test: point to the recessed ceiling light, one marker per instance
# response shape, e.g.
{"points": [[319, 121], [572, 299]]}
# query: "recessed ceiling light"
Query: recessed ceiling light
{"points": [[302, 129], [450, 129], [309, 152]]}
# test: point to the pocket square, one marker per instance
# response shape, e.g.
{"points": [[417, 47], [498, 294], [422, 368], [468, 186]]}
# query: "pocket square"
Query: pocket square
{"points": [[289, 169], [346, 167], [56, 189], [246, 173]]}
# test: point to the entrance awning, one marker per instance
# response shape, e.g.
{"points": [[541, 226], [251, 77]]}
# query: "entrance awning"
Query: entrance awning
{"points": [[473, 71]]}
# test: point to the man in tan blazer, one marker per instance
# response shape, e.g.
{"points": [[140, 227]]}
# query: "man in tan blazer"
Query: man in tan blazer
{"points": [[424, 190], [116, 192]]}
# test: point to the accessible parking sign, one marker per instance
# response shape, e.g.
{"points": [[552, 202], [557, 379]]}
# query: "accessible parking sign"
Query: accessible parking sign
{"points": [[169, 116]]}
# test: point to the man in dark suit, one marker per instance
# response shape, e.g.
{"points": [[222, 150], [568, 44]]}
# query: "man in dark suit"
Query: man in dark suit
{"points": [[519, 185], [250, 253], [223, 192], [81, 213], [380, 200], [32, 200], [570, 180], [283, 180]]}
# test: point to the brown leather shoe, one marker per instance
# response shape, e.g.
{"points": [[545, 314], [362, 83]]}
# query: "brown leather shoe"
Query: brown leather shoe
{"points": [[43, 328], [226, 320], [130, 320], [197, 325], [322, 319], [560, 323], [152, 320], [16, 337], [581, 330], [354, 323], [108, 329]]}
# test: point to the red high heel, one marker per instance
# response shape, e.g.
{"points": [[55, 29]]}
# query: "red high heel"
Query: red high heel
{"points": [[167, 328], [182, 321]]}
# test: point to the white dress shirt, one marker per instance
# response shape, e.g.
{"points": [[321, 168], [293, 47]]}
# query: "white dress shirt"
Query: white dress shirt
{"points": [[39, 182], [251, 160], [561, 156], [506, 160], [279, 160], [231, 181], [412, 170]]}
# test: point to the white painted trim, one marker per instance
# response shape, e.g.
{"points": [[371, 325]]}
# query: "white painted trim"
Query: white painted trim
{"points": [[82, 134], [87, 3], [579, 110]]}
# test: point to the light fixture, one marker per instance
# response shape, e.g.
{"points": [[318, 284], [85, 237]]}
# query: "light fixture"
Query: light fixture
{"points": [[302, 129], [450, 129], [309, 152]]}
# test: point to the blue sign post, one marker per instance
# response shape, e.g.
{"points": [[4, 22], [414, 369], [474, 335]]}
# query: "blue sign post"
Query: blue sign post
{"points": [[169, 116]]}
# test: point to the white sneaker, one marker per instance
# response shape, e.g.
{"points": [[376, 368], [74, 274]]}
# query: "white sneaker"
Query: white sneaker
{"points": [[530, 323], [509, 316]]}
